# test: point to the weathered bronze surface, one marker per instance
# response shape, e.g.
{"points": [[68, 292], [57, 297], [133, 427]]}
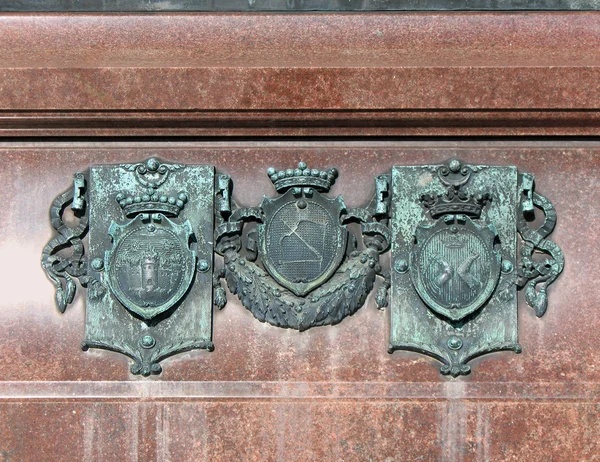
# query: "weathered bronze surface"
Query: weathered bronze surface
{"points": [[456, 267], [294, 5], [314, 272], [150, 252], [295, 260]]}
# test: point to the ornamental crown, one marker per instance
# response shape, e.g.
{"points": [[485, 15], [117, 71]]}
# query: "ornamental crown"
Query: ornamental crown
{"points": [[152, 202], [455, 201], [302, 177]]}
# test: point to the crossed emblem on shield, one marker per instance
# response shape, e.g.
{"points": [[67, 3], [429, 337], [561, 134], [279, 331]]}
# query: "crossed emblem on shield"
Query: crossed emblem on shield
{"points": [[304, 259], [448, 271]]}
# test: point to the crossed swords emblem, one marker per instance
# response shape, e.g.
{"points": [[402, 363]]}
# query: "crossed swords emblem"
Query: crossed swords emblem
{"points": [[448, 271]]}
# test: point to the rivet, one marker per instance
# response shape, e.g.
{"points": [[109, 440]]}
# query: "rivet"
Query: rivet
{"points": [[401, 266], [203, 266], [507, 266], [454, 165], [97, 264], [454, 343], [147, 341]]}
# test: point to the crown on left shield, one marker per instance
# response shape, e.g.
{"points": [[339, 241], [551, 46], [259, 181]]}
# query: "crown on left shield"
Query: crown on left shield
{"points": [[302, 177], [152, 202]]}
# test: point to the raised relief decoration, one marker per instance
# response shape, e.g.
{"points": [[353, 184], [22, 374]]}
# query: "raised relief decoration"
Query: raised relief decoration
{"points": [[456, 266], [149, 266], [141, 242], [302, 266]]}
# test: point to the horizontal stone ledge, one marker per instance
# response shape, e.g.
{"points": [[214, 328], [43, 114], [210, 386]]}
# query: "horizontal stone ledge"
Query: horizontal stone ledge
{"points": [[300, 123], [340, 88], [212, 62], [171, 390]]}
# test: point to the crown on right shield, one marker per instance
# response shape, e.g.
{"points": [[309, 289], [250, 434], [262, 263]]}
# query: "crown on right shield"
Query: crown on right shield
{"points": [[455, 201], [302, 177]]}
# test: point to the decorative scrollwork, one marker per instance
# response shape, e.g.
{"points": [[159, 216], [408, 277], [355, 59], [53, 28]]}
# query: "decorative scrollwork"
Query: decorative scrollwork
{"points": [[58, 266], [148, 363], [270, 296], [454, 362], [533, 274], [152, 173]]}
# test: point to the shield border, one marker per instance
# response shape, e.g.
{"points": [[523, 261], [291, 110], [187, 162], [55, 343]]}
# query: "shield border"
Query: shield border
{"points": [[269, 206], [184, 232], [425, 231]]}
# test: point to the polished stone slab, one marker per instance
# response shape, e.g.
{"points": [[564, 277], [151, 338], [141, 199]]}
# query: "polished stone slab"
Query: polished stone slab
{"points": [[294, 5], [272, 394], [362, 74]]}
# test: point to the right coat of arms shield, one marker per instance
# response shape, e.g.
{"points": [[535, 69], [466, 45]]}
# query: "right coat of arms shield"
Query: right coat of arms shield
{"points": [[455, 264]]}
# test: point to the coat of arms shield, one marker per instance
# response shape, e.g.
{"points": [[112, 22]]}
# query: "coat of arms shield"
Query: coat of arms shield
{"points": [[150, 265], [456, 262], [302, 266], [456, 265], [147, 263], [302, 241]]}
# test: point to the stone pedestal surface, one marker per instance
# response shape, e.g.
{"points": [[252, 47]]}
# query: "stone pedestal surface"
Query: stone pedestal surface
{"points": [[244, 92], [265, 393]]}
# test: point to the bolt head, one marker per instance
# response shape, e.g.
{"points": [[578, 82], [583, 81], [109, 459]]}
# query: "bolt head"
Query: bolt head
{"points": [[148, 341], [454, 165], [152, 165], [455, 343], [203, 266], [401, 266], [97, 264], [507, 266]]}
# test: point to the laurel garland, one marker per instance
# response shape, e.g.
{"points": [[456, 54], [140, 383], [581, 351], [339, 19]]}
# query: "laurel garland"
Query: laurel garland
{"points": [[339, 297]]}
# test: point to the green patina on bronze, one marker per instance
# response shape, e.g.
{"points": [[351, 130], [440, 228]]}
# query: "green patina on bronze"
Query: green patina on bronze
{"points": [[150, 251], [454, 254], [302, 267], [455, 264]]}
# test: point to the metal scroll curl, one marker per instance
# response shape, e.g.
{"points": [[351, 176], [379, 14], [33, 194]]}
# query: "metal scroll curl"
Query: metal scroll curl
{"points": [[302, 267], [60, 267], [537, 274]]}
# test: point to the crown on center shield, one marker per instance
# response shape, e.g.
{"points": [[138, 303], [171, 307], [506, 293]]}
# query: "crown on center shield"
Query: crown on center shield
{"points": [[302, 176]]}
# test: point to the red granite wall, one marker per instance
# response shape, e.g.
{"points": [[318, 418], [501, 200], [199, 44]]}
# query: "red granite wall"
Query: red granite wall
{"points": [[330, 393], [301, 75]]}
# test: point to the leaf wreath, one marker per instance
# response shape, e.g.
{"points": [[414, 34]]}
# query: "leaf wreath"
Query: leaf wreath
{"points": [[339, 297]]}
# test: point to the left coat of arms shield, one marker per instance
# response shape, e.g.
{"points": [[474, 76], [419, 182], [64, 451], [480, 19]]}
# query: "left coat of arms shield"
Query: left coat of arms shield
{"points": [[149, 265]]}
